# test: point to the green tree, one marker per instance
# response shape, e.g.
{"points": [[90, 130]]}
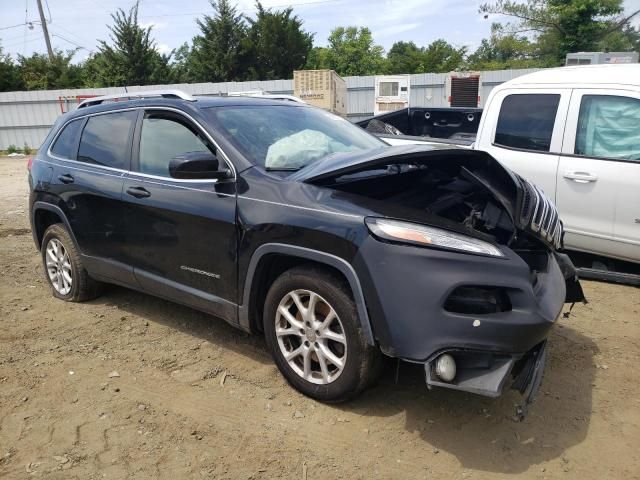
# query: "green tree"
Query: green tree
{"points": [[161, 71], [563, 26], [96, 72], [504, 51], [405, 57], [132, 57], [217, 54], [633, 37], [318, 59], [625, 40], [9, 74], [39, 72], [276, 44], [353, 52], [440, 56], [181, 65]]}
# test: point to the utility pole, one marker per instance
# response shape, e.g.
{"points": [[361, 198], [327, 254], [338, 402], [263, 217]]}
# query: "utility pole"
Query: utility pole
{"points": [[45, 30]]}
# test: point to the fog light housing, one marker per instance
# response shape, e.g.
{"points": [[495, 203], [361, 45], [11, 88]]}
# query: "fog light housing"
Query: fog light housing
{"points": [[445, 367]]}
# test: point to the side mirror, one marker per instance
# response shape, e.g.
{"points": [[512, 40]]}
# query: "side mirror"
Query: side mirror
{"points": [[197, 166]]}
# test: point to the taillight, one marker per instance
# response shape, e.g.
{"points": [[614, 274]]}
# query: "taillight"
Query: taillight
{"points": [[29, 163]]}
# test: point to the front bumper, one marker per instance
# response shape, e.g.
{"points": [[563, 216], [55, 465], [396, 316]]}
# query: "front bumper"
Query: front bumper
{"points": [[487, 374], [406, 289]]}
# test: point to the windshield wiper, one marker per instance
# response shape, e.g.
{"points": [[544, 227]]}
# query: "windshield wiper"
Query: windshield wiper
{"points": [[282, 169]]}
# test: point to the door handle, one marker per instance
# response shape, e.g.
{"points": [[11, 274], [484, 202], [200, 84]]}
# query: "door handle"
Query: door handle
{"points": [[138, 192], [580, 177], [66, 178]]}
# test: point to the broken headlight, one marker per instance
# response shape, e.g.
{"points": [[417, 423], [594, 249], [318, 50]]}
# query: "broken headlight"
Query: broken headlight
{"points": [[413, 233]]}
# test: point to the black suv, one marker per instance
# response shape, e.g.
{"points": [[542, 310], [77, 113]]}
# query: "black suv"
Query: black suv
{"points": [[284, 219]]}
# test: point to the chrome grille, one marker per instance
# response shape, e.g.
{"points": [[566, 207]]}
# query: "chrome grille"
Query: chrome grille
{"points": [[539, 214]]}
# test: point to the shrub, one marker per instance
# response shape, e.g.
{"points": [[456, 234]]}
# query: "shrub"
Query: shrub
{"points": [[12, 149], [27, 149]]}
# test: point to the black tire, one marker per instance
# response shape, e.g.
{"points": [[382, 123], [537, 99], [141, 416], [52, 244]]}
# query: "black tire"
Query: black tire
{"points": [[360, 366], [83, 287]]}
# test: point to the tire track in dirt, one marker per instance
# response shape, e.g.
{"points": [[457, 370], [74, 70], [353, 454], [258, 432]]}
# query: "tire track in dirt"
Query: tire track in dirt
{"points": [[230, 415], [16, 232]]}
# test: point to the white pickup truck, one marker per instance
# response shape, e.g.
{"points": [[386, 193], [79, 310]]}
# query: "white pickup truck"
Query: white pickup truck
{"points": [[575, 132]]}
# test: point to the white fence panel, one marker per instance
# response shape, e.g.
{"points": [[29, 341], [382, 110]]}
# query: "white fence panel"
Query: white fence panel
{"points": [[26, 117]]}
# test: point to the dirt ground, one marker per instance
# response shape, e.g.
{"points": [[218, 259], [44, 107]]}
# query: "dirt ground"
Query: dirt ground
{"points": [[195, 398]]}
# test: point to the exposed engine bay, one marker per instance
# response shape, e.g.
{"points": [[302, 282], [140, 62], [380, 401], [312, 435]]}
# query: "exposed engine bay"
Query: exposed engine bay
{"points": [[464, 191], [470, 196], [458, 197]]}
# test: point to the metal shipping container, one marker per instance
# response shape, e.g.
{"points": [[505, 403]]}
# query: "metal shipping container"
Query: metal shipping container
{"points": [[321, 88]]}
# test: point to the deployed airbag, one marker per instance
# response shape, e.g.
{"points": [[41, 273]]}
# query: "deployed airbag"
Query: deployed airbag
{"points": [[302, 148]]}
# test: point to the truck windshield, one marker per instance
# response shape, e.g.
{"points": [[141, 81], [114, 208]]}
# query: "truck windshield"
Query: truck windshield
{"points": [[285, 137]]}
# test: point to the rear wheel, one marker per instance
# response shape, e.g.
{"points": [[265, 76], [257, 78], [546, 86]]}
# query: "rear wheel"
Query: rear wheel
{"points": [[312, 328], [63, 267]]}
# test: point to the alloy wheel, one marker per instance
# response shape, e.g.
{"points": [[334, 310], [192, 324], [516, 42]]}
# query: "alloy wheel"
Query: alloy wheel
{"points": [[311, 337], [58, 266]]}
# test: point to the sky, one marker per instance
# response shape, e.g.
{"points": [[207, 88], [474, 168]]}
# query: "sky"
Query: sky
{"points": [[81, 23]]}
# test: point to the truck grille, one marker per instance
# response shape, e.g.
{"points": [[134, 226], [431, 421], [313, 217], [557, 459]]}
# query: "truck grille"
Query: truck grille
{"points": [[539, 215]]}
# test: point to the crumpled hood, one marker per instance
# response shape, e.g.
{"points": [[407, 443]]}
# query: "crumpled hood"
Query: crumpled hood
{"points": [[526, 205], [346, 162]]}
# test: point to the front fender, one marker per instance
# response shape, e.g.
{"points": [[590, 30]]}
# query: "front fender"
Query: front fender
{"points": [[308, 254]]}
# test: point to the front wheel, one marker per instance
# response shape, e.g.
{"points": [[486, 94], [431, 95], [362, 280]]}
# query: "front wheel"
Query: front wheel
{"points": [[312, 329]]}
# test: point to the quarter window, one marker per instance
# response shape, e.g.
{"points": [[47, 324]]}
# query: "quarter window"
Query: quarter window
{"points": [[164, 137], [66, 143], [106, 139], [526, 121], [609, 127]]}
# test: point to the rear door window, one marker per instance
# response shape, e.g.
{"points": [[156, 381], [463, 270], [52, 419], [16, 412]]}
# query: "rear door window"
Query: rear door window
{"points": [[66, 144], [609, 127], [106, 139], [526, 121]]}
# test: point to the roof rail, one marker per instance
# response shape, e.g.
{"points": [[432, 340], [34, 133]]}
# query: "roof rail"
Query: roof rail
{"points": [[136, 95], [268, 96], [277, 96]]}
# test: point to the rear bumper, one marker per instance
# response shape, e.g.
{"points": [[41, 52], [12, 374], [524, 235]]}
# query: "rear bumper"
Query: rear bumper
{"points": [[406, 289]]}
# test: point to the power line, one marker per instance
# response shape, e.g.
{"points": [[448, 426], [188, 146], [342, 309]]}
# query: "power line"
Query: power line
{"points": [[58, 26], [38, 37], [48, 10], [13, 26], [52, 27], [12, 38], [67, 40]]}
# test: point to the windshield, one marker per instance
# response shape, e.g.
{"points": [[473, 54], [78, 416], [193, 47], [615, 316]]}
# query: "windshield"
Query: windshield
{"points": [[283, 137]]}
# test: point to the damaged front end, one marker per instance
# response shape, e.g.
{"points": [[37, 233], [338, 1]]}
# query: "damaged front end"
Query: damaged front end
{"points": [[487, 373], [475, 303], [466, 192]]}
